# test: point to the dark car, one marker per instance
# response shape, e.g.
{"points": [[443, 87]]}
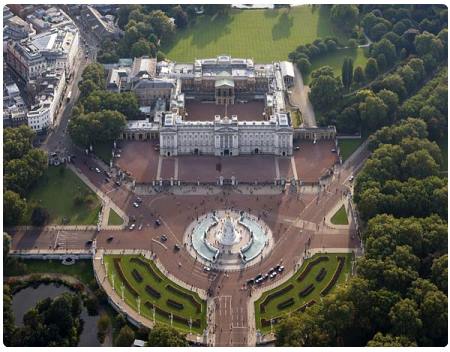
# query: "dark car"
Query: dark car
{"points": [[118, 183], [176, 247], [250, 282], [106, 179], [258, 277], [110, 239], [89, 243], [163, 238], [158, 222]]}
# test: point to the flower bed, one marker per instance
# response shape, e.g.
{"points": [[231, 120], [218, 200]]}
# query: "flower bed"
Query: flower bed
{"points": [[136, 275], [147, 266], [195, 323], [321, 275], [188, 296], [289, 302], [152, 292], [306, 291], [341, 262], [118, 268], [310, 265], [175, 304], [274, 295]]}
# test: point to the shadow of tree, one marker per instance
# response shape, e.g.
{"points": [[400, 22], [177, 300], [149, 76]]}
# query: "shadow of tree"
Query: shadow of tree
{"points": [[205, 30], [282, 29]]}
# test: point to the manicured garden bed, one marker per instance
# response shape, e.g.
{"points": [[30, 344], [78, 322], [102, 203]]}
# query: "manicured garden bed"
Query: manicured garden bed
{"points": [[348, 146], [302, 290], [157, 292], [340, 217]]}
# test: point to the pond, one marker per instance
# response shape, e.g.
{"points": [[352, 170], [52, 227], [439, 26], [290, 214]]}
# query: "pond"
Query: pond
{"points": [[27, 298]]}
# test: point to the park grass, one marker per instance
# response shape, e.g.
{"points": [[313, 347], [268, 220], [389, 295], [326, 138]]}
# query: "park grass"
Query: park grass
{"points": [[296, 118], [81, 270], [114, 218], [347, 146], [56, 191], [264, 35], [340, 217], [272, 311], [187, 312], [336, 59]]}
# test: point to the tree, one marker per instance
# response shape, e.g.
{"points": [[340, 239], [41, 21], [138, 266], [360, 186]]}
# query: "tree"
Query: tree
{"points": [[165, 336], [347, 72], [428, 44], [181, 17], [143, 48], [8, 314], [371, 69], [373, 113], [390, 99], [17, 142], [125, 337], [326, 90], [345, 16], [94, 127], [386, 48], [358, 76], [304, 65], [380, 340], [420, 164], [13, 208], [39, 216], [439, 272], [162, 26]]}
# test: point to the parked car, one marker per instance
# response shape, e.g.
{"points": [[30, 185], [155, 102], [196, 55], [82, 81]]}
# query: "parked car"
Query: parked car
{"points": [[280, 269], [163, 238], [136, 205], [206, 269], [97, 170], [158, 222], [89, 243], [138, 200], [132, 226], [110, 239], [351, 178], [176, 247], [333, 150], [273, 274], [297, 148]]}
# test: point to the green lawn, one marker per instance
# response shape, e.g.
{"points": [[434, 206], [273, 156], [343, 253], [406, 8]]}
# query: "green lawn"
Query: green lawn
{"points": [[82, 269], [188, 310], [348, 146], [272, 311], [340, 217], [336, 59], [114, 218], [264, 35], [56, 191]]}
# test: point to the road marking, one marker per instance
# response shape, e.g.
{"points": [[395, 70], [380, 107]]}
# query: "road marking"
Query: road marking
{"points": [[56, 239], [176, 169], [158, 172], [277, 167], [294, 168]]}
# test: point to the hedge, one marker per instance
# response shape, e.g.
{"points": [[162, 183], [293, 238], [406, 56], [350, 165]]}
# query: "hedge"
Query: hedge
{"points": [[310, 265], [152, 292], [195, 323], [147, 266], [321, 275], [118, 268], [289, 302], [306, 305], [185, 295], [136, 275], [175, 304], [274, 295], [341, 262], [306, 291]]}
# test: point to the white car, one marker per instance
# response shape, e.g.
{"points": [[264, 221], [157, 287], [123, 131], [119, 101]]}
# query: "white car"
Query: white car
{"points": [[136, 205], [206, 269], [132, 226], [351, 178], [97, 170], [274, 273]]}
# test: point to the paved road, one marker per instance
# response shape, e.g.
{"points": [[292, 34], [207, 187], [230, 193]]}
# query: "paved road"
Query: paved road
{"points": [[299, 97]]}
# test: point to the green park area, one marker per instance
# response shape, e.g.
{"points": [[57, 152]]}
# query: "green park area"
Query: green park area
{"points": [[114, 218], [347, 146], [316, 278], [336, 59], [264, 35], [340, 217], [141, 278], [65, 197], [81, 270]]}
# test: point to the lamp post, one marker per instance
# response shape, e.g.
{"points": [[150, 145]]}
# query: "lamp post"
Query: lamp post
{"points": [[112, 280]]}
